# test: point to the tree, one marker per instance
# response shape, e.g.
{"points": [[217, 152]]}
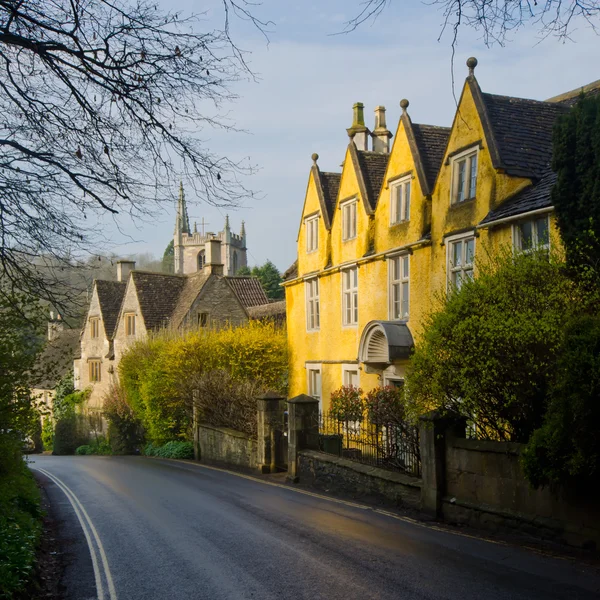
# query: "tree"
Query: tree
{"points": [[168, 260], [270, 278], [102, 105], [576, 195], [496, 19], [489, 353]]}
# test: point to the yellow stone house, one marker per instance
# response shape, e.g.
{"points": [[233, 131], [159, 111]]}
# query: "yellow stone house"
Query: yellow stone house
{"points": [[378, 240]]}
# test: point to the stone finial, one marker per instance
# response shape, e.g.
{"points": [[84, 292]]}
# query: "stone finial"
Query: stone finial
{"points": [[243, 229], [471, 63], [195, 227], [315, 158], [404, 104], [226, 221]]}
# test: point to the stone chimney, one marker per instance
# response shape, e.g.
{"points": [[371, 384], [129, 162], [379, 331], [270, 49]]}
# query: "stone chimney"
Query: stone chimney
{"points": [[381, 134], [214, 262], [358, 133], [124, 267], [55, 326]]}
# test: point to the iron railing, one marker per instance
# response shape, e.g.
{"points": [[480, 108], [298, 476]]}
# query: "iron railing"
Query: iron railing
{"points": [[392, 446]]}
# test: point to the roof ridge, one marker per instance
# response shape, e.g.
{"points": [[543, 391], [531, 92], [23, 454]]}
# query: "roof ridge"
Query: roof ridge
{"points": [[505, 97], [574, 92], [432, 126]]}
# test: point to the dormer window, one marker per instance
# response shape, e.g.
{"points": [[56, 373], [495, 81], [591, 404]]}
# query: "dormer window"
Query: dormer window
{"points": [[349, 220], [312, 233], [464, 175], [400, 200]]}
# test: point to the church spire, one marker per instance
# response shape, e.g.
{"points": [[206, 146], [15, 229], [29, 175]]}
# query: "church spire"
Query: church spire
{"points": [[182, 221]]}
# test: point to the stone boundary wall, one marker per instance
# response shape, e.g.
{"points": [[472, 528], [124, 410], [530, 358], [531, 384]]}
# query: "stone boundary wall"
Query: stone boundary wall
{"points": [[224, 446], [333, 473], [486, 487]]}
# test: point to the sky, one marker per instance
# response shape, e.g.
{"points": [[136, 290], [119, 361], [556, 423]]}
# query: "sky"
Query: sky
{"points": [[308, 78]]}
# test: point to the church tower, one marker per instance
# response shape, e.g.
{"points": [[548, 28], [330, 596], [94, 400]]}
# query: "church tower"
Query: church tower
{"points": [[190, 247]]}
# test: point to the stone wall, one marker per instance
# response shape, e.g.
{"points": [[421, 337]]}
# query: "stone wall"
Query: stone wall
{"points": [[224, 446], [486, 486], [340, 475]]}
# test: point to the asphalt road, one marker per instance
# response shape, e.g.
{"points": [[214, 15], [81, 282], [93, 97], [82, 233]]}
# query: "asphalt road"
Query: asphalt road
{"points": [[167, 530]]}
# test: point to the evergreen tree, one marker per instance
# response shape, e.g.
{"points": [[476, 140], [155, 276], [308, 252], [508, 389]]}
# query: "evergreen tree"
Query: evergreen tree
{"points": [[270, 278], [168, 260], [576, 195]]}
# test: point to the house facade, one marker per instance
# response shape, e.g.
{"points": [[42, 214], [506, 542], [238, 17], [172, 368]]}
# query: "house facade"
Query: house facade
{"points": [[378, 240]]}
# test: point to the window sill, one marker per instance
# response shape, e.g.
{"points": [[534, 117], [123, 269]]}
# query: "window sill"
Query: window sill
{"points": [[313, 330], [403, 222], [349, 325], [456, 204], [312, 251], [349, 239]]}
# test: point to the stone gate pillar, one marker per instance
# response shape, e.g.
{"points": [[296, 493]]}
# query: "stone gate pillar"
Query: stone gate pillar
{"points": [[269, 416], [303, 428]]}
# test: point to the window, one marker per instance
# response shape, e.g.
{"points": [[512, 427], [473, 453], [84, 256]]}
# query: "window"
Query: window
{"points": [[349, 220], [400, 201], [312, 305], [350, 375], [313, 373], [201, 260], [202, 319], [350, 296], [95, 370], [129, 324], [399, 287], [94, 327], [460, 261], [312, 233], [532, 234], [464, 176]]}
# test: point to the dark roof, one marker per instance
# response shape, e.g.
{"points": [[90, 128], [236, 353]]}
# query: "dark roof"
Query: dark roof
{"points": [[531, 198], [372, 166], [431, 142], [330, 183], [291, 272], [571, 98], [248, 290], [193, 286], [110, 297], [158, 295], [56, 359], [523, 132]]}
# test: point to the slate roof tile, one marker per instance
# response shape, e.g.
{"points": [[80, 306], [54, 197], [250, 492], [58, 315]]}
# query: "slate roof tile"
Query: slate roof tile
{"points": [[372, 166], [523, 132], [158, 294], [56, 359], [531, 198], [431, 141], [192, 288], [330, 183], [110, 297], [291, 272], [248, 290]]}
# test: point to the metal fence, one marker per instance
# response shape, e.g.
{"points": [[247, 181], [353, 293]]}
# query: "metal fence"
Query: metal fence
{"points": [[392, 446]]}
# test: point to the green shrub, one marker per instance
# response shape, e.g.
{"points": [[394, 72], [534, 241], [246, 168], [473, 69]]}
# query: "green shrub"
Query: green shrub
{"points": [[124, 430], [20, 527], [565, 451], [347, 404], [85, 449], [48, 434], [181, 450], [99, 447], [70, 432]]}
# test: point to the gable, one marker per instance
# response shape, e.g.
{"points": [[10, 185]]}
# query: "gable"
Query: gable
{"points": [[109, 296]]}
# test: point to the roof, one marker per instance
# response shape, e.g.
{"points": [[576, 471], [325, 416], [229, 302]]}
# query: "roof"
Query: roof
{"points": [[110, 297], [431, 142], [275, 310], [570, 98], [372, 166], [248, 290], [522, 131], [533, 197], [56, 359], [330, 185], [291, 272], [193, 286], [158, 295]]}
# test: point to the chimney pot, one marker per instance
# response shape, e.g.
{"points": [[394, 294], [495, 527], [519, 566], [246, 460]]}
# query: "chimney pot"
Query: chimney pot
{"points": [[212, 251], [358, 133], [381, 134], [124, 267]]}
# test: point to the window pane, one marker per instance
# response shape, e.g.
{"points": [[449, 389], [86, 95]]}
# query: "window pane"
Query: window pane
{"points": [[405, 299], [460, 184], [407, 201], [526, 235], [456, 254], [469, 251], [396, 301], [543, 237], [355, 307], [405, 266], [473, 176], [397, 209], [354, 278]]}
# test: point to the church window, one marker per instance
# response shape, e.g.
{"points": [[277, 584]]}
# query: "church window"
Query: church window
{"points": [[201, 260], [94, 327], [95, 370], [130, 324]]}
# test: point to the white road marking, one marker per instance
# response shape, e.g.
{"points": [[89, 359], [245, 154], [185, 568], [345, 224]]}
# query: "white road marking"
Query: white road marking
{"points": [[86, 521]]}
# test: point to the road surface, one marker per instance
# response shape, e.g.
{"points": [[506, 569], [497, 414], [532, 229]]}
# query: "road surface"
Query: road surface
{"points": [[139, 528]]}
